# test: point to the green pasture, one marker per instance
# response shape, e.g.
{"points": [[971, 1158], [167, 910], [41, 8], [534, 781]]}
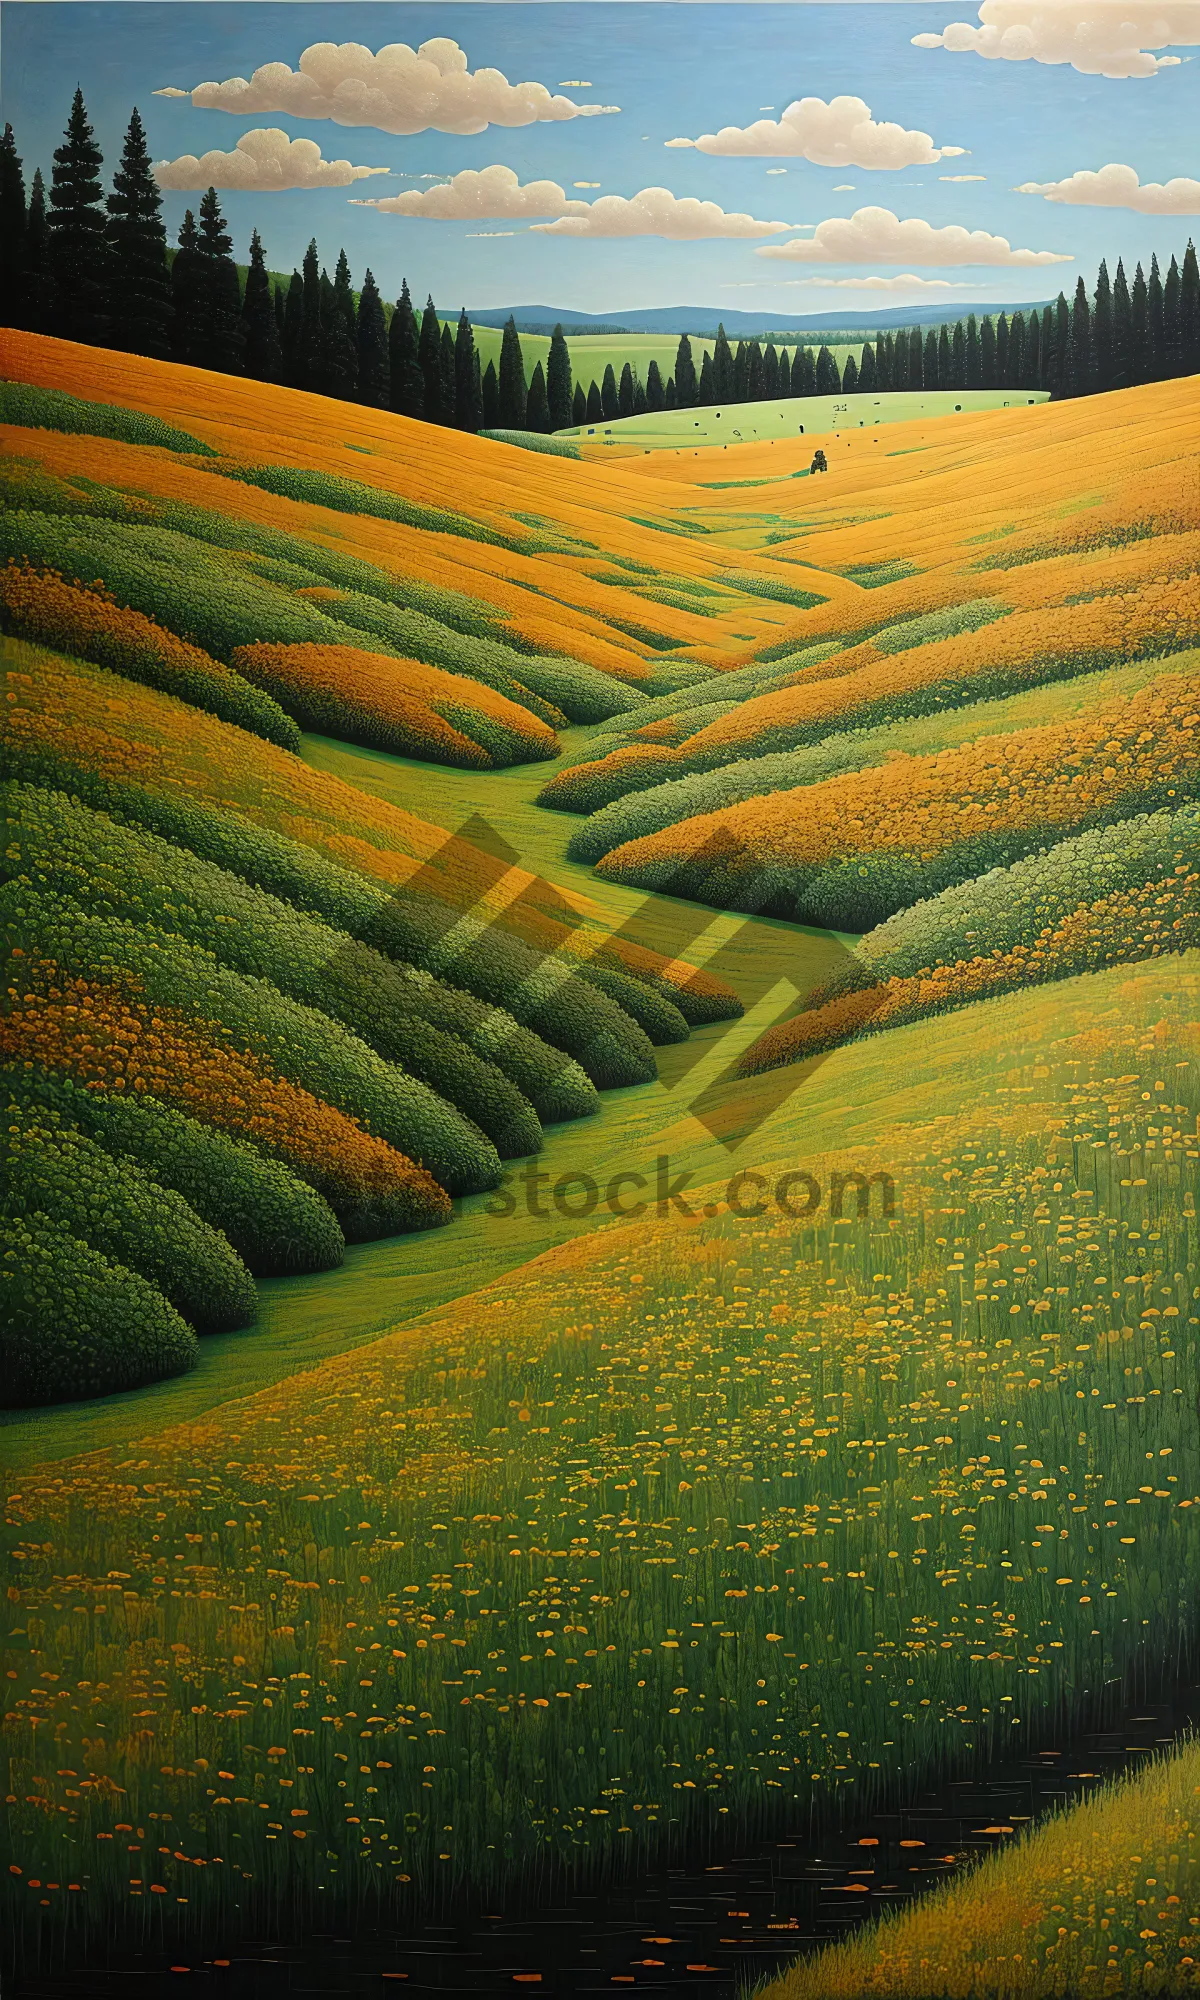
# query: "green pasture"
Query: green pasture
{"points": [[751, 423]]}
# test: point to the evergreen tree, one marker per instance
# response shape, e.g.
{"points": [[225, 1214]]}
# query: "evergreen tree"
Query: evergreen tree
{"points": [[915, 358], [1121, 352], [1157, 323], [558, 381], [1189, 312], [1014, 367], [755, 387], [76, 236], [672, 396], [722, 370], [468, 410], [1002, 340], [476, 388], [291, 340], [1172, 344], [339, 334], [866, 370], [187, 294], [310, 365], [374, 361], [741, 371], [1102, 331], [655, 394], [138, 287], [639, 397], [404, 367], [595, 405], [806, 364], [974, 354], [447, 377], [895, 369], [35, 253], [987, 355], [429, 360], [1055, 349], [12, 231], [263, 356], [1049, 341], [579, 404], [513, 392], [279, 298], [221, 340], [537, 404], [929, 362], [883, 372], [1032, 371], [343, 291], [958, 356], [1139, 324], [945, 363], [609, 401], [850, 376], [685, 374], [785, 373], [625, 392], [705, 392], [491, 398], [1078, 374], [770, 373], [828, 381]]}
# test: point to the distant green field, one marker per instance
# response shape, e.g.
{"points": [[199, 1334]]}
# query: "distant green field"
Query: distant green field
{"points": [[746, 423], [591, 352]]}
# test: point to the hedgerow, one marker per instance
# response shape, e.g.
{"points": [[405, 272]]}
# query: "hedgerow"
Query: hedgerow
{"points": [[57, 846], [970, 616], [76, 1324], [54, 410], [298, 1042], [40, 605], [396, 705], [275, 1221], [113, 1205], [756, 585], [535, 441], [350, 496]]}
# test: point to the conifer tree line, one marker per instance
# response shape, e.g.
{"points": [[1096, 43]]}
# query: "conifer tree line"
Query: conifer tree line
{"points": [[96, 268]]}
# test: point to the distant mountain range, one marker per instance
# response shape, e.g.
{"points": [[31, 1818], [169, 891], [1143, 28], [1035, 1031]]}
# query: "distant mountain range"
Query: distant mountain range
{"points": [[746, 325]]}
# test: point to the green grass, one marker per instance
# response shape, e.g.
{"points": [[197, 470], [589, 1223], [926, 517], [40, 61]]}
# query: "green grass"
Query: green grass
{"points": [[747, 423]]}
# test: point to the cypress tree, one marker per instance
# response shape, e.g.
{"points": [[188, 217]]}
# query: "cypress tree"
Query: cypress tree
{"points": [[807, 364], [672, 394], [264, 358], [655, 394], [741, 371], [929, 362], [639, 397], [138, 289], [309, 368], [866, 369], [1078, 375], [513, 392], [187, 294], [76, 235], [785, 373], [339, 334], [1056, 335], [974, 355], [447, 377], [705, 392], [1139, 321], [916, 379], [987, 355], [1157, 322], [429, 359], [828, 381], [722, 369], [1172, 342], [625, 392], [1002, 340], [1189, 312], [755, 384], [850, 376], [35, 253], [958, 356], [770, 373], [1121, 351], [686, 386], [1049, 341], [343, 289], [1102, 331], [558, 381], [291, 339], [491, 398], [467, 412], [895, 368], [12, 231], [579, 403], [883, 372], [222, 340], [1032, 374], [476, 388], [537, 403], [407, 387], [374, 369], [1014, 367], [595, 405], [609, 401], [945, 362], [278, 300]]}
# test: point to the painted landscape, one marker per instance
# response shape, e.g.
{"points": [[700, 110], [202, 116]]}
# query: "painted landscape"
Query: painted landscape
{"points": [[603, 1020]]}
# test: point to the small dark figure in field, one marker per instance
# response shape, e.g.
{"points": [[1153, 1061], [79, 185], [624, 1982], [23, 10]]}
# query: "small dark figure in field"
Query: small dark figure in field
{"points": [[820, 462]]}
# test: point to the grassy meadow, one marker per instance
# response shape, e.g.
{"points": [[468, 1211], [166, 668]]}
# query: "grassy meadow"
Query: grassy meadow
{"points": [[814, 416], [396, 815]]}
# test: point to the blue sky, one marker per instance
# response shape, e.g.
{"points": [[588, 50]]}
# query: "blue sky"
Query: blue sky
{"points": [[675, 69]]}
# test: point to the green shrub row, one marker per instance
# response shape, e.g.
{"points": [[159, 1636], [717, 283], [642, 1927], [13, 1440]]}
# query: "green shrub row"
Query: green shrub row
{"points": [[692, 706], [54, 410], [75, 1324], [645, 635], [555, 1085], [535, 441], [970, 616], [57, 846], [275, 1221], [116, 1207], [351, 496], [300, 1043], [753, 585]]}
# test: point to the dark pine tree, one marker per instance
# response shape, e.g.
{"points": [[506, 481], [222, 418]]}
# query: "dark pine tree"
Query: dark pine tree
{"points": [[639, 397], [291, 340], [958, 357], [916, 359], [1014, 366], [595, 403], [785, 373], [311, 359], [741, 371], [929, 362], [222, 341], [404, 366], [805, 365], [1078, 376], [1172, 341], [1102, 331], [537, 403], [263, 356], [447, 377], [279, 301], [138, 291], [1031, 374], [609, 401], [672, 394], [513, 392], [12, 232], [1121, 349], [828, 381], [945, 362], [76, 236], [987, 355], [491, 398], [1157, 322], [35, 253], [755, 384], [625, 392], [1002, 339], [579, 404], [374, 362], [895, 367], [770, 373], [558, 381], [974, 354], [705, 392], [686, 385], [850, 376], [429, 358], [866, 370], [1055, 350], [188, 295], [1189, 312], [1139, 325], [339, 335], [468, 409], [655, 394], [883, 372], [1049, 344], [722, 370]]}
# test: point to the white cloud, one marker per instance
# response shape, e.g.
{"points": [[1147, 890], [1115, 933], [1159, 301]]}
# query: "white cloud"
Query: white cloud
{"points": [[844, 187], [841, 133], [586, 184], [777, 170], [262, 162], [876, 236], [908, 283], [1096, 37], [656, 212], [962, 177], [490, 194], [169, 90], [397, 89], [1118, 187]]}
